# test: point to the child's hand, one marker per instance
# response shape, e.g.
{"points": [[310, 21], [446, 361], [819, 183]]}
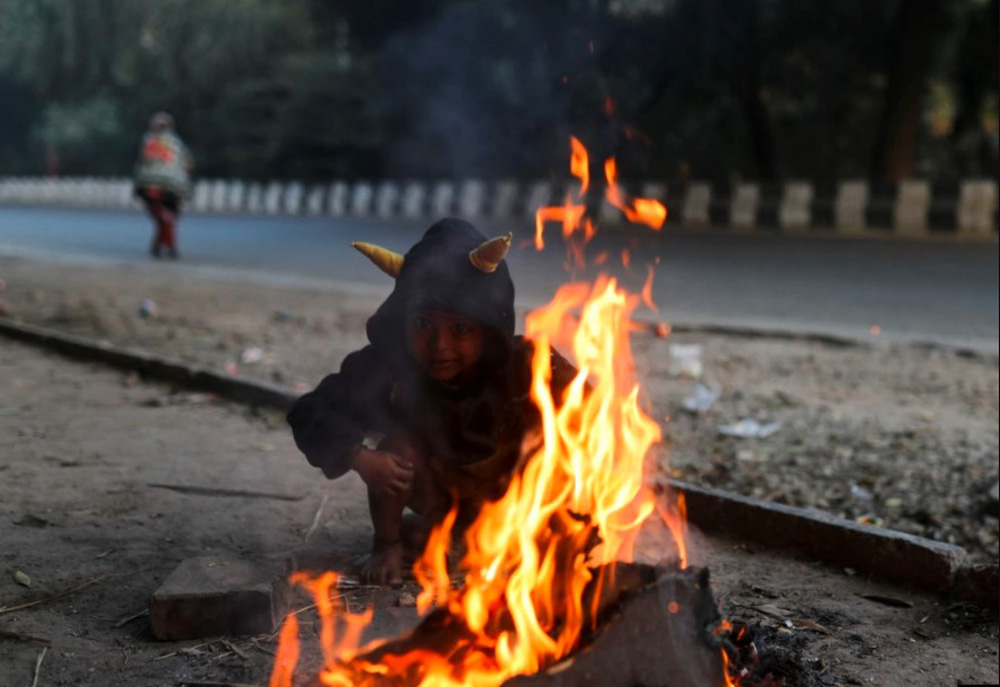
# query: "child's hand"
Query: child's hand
{"points": [[384, 472]]}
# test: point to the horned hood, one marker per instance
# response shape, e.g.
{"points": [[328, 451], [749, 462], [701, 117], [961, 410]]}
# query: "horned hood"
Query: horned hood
{"points": [[441, 272]]}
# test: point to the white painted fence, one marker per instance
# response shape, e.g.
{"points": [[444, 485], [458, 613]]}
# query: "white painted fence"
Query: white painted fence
{"points": [[970, 214]]}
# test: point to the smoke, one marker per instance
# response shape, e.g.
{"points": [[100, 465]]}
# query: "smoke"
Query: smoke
{"points": [[488, 90]]}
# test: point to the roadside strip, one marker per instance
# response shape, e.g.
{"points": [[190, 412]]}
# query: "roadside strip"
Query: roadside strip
{"points": [[903, 559]]}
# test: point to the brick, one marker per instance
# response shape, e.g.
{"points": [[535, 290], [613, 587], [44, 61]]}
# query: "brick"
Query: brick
{"points": [[213, 596]]}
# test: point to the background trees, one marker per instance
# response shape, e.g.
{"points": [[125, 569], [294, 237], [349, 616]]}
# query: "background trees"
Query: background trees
{"points": [[314, 89]]}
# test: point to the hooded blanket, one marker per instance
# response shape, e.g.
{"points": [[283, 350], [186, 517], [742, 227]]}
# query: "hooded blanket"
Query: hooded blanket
{"points": [[380, 390]]}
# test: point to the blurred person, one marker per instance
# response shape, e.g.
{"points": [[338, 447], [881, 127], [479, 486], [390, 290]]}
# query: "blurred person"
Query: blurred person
{"points": [[163, 180]]}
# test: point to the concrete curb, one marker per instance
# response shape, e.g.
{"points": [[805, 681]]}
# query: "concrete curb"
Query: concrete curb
{"points": [[153, 366], [896, 557]]}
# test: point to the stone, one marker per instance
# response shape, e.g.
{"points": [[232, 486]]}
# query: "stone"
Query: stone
{"points": [[212, 596], [659, 637]]}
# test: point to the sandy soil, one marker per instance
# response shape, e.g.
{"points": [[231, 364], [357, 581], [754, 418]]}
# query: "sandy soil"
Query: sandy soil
{"points": [[82, 443], [892, 435]]}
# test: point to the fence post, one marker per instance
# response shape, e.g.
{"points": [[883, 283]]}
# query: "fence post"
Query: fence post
{"points": [[442, 199], [314, 201], [412, 202], [697, 200], [470, 199], [743, 210], [504, 198], [336, 199], [849, 207], [361, 199], [385, 199], [794, 213], [291, 199], [913, 200], [235, 196], [272, 198], [976, 213], [539, 195]]}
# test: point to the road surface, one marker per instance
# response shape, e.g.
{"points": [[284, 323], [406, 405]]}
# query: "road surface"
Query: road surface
{"points": [[932, 291]]}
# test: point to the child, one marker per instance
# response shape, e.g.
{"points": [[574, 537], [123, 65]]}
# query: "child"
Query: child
{"points": [[162, 180], [444, 381]]}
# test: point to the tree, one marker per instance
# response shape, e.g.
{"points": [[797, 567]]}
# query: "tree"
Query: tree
{"points": [[917, 24]]}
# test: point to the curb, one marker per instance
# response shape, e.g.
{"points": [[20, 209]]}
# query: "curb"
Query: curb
{"points": [[153, 366], [897, 557], [834, 340], [915, 562]]}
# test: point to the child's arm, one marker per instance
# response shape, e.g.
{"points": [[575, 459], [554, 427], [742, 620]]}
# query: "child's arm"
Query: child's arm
{"points": [[330, 422], [383, 472]]}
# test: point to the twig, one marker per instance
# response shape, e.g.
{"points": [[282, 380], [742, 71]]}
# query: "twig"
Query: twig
{"points": [[38, 666], [212, 491], [235, 649], [187, 649], [59, 595], [18, 637], [144, 612], [316, 518], [338, 597], [258, 647], [354, 583]]}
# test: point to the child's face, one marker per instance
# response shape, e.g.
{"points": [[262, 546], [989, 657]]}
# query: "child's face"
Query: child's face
{"points": [[445, 345]]}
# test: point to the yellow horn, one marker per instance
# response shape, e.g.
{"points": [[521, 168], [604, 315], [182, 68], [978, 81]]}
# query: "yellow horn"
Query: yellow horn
{"points": [[387, 261], [489, 253]]}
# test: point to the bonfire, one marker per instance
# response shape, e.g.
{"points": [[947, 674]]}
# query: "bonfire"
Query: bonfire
{"points": [[542, 566]]}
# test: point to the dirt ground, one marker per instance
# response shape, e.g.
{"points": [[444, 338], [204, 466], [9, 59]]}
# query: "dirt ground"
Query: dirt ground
{"points": [[82, 444], [892, 435]]}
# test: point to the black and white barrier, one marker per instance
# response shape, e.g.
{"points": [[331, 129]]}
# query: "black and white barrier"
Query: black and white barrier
{"points": [[912, 209]]}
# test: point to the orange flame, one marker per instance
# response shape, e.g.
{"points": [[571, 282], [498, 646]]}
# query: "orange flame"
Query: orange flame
{"points": [[676, 521], [288, 654], [579, 165], [570, 513], [571, 215], [725, 670], [577, 503], [641, 210]]}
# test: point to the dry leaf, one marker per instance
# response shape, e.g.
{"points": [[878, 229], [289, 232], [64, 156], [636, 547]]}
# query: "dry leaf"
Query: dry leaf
{"points": [[887, 600], [771, 610], [806, 624]]}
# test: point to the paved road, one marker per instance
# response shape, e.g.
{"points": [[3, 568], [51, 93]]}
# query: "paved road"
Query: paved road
{"points": [[925, 291]]}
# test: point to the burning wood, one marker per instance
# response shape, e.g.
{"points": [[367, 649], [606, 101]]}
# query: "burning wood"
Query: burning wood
{"points": [[543, 563], [652, 627]]}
